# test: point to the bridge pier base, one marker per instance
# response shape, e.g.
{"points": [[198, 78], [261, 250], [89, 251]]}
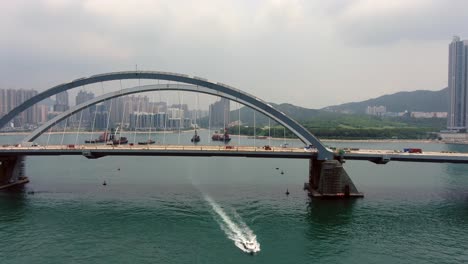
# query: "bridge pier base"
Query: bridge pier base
{"points": [[12, 172], [328, 179]]}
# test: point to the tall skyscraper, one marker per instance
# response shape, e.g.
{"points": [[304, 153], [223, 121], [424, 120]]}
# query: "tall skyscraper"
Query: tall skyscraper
{"points": [[61, 104], [457, 84], [219, 113]]}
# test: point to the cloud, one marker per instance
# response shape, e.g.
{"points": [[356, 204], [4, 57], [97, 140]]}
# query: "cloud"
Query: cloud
{"points": [[369, 22], [310, 53]]}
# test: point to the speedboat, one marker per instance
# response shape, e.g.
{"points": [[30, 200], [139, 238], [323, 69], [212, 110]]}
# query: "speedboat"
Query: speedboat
{"points": [[250, 247]]}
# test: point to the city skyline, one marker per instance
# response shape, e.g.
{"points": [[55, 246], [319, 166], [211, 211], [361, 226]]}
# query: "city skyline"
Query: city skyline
{"points": [[125, 110]]}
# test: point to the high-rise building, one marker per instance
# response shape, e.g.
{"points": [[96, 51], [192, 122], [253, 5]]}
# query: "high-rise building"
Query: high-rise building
{"points": [[219, 113], [100, 117], [457, 84], [85, 115], [61, 102], [42, 114], [11, 98]]}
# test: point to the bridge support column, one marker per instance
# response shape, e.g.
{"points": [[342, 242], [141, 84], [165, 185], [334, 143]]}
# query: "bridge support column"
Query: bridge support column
{"points": [[328, 179], [12, 172]]}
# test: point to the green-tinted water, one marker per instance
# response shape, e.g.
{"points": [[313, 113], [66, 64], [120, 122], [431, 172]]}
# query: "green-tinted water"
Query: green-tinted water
{"points": [[164, 210]]}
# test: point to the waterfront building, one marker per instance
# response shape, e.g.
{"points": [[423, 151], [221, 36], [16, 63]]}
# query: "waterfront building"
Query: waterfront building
{"points": [[146, 121], [11, 98], [457, 84], [429, 114]]}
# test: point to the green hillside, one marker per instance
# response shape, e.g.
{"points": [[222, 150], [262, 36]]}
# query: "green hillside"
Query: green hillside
{"points": [[325, 124], [331, 123], [421, 101]]}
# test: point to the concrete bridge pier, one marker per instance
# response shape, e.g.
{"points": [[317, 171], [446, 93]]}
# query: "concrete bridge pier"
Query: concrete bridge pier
{"points": [[12, 172], [328, 179]]}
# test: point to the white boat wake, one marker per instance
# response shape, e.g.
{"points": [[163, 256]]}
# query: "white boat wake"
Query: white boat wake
{"points": [[239, 232]]}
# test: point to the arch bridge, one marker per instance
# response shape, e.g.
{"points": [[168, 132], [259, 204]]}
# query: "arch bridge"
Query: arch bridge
{"points": [[326, 174]]}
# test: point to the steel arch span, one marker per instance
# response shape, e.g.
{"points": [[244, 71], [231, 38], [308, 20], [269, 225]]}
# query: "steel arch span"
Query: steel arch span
{"points": [[197, 85]]}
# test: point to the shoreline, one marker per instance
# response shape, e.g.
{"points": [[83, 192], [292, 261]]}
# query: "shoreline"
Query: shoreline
{"points": [[244, 136]]}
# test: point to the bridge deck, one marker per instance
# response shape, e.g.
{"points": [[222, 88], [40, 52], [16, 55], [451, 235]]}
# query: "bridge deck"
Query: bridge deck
{"points": [[96, 151]]}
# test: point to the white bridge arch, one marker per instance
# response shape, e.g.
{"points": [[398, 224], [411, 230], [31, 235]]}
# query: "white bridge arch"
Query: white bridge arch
{"points": [[194, 84]]}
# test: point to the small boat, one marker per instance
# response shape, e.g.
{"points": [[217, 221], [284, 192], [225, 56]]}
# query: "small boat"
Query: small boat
{"points": [[257, 137], [120, 141], [282, 172], [147, 142], [195, 138], [102, 139], [221, 137], [116, 139], [287, 192], [250, 247], [104, 183]]}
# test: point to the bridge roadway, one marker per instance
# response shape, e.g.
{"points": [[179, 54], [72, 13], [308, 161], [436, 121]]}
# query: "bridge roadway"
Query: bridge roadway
{"points": [[102, 150]]}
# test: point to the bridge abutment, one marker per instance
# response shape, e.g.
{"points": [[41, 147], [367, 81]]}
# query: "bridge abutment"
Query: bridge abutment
{"points": [[12, 172], [328, 179]]}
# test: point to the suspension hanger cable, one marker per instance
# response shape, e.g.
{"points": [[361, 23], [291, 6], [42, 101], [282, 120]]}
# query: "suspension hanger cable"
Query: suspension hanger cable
{"points": [[239, 122], [198, 108], [92, 125], [255, 129], [108, 118], [167, 114], [284, 135], [269, 131], [81, 116], [48, 137], [151, 118], [224, 120], [209, 122], [123, 110], [79, 126], [180, 116], [94, 121], [163, 125], [64, 129], [50, 131], [137, 115]]}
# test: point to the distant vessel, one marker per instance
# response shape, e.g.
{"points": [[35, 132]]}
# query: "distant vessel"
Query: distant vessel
{"points": [[102, 139], [116, 139], [147, 142], [257, 137], [195, 138], [221, 137]]}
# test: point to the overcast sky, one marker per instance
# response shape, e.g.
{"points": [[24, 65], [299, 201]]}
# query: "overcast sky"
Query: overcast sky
{"points": [[309, 53]]}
